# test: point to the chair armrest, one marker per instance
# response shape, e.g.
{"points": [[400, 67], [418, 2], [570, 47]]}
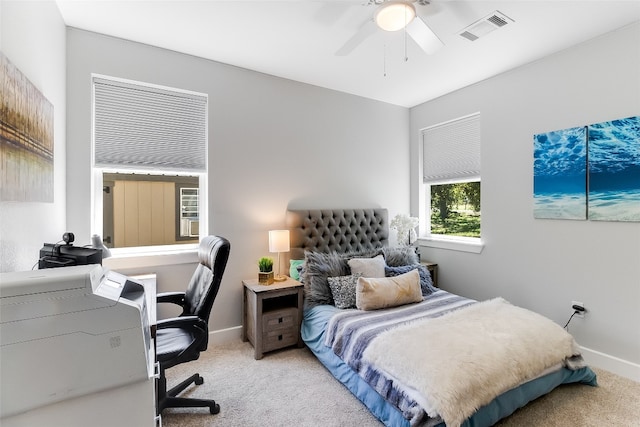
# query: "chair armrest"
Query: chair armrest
{"points": [[183, 322], [171, 297]]}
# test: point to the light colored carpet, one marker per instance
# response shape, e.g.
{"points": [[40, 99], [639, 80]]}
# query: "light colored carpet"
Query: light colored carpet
{"points": [[291, 388]]}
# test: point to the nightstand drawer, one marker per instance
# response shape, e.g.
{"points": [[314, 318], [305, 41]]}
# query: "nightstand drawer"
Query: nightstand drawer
{"points": [[280, 338], [285, 318]]}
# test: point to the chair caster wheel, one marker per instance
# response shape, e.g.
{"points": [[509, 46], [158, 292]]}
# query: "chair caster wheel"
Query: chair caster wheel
{"points": [[199, 380], [214, 409]]}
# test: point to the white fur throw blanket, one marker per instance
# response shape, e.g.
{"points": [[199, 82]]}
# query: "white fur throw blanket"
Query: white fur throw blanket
{"points": [[456, 363]]}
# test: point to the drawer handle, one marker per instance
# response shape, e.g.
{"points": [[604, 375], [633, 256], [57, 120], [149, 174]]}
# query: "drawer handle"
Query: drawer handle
{"points": [[279, 337], [280, 319]]}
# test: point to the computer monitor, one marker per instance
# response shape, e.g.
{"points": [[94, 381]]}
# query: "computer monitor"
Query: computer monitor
{"points": [[65, 255]]}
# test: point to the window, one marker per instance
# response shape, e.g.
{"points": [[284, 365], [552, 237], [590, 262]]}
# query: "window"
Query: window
{"points": [[150, 164], [149, 210], [455, 209], [451, 180]]}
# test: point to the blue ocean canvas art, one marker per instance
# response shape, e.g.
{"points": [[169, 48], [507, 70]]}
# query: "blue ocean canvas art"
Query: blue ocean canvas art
{"points": [[560, 174], [614, 170]]}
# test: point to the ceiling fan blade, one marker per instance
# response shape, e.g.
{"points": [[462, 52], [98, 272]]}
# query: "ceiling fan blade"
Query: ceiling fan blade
{"points": [[423, 36], [364, 32]]}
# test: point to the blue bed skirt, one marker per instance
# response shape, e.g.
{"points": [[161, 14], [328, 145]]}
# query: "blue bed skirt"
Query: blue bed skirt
{"points": [[313, 327]]}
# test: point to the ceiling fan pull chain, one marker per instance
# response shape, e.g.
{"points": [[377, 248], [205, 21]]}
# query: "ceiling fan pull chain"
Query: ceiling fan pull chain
{"points": [[384, 59], [406, 55]]}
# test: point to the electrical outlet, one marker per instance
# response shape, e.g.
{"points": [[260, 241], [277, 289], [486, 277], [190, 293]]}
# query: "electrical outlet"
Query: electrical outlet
{"points": [[578, 304]]}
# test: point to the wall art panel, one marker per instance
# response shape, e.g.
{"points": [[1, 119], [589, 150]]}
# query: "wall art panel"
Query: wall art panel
{"points": [[614, 170], [26, 138], [560, 174]]}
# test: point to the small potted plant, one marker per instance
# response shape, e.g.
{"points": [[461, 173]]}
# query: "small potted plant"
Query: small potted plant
{"points": [[265, 273]]}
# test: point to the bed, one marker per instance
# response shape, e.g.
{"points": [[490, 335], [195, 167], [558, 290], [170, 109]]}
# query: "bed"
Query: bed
{"points": [[414, 354]]}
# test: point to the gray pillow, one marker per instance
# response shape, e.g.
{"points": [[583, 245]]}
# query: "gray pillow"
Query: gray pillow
{"points": [[399, 256], [426, 283], [300, 270], [343, 290], [317, 267]]}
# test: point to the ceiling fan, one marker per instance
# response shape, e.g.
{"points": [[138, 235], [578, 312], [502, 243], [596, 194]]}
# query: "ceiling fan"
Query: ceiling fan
{"points": [[395, 15]]}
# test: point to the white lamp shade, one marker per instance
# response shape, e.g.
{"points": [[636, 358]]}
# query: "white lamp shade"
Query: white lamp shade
{"points": [[279, 241], [394, 15]]}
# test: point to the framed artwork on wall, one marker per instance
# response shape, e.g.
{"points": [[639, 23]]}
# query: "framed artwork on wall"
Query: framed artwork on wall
{"points": [[614, 170], [26, 138], [560, 174]]}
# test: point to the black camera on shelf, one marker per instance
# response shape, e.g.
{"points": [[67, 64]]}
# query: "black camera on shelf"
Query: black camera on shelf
{"points": [[65, 255], [68, 237]]}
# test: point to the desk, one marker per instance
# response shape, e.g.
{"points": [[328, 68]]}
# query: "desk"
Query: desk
{"points": [[132, 404], [150, 291]]}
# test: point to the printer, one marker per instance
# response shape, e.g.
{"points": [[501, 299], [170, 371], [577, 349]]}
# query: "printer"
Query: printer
{"points": [[68, 332]]}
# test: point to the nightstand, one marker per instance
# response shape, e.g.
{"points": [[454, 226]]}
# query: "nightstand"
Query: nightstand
{"points": [[433, 270], [272, 315]]}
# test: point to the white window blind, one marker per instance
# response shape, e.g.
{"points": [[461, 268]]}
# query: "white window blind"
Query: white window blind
{"points": [[451, 150], [138, 126]]}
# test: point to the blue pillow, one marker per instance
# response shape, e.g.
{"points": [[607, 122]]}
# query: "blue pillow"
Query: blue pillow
{"points": [[426, 284], [294, 270]]}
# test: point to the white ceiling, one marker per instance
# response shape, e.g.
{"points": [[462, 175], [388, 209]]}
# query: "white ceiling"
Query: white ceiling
{"points": [[297, 39]]}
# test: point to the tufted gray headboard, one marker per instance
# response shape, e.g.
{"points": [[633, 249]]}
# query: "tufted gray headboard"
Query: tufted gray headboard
{"points": [[340, 230]]}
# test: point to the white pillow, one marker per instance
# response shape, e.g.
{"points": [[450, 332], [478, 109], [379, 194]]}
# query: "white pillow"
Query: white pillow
{"points": [[367, 267], [375, 293]]}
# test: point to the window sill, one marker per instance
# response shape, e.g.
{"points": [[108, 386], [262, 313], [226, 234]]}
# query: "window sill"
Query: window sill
{"points": [[151, 257], [461, 244]]}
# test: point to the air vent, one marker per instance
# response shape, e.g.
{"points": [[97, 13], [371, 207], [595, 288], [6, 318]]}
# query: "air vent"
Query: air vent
{"points": [[484, 26]]}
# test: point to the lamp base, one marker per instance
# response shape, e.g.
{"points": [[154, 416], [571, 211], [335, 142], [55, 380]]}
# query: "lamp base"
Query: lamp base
{"points": [[280, 278]]}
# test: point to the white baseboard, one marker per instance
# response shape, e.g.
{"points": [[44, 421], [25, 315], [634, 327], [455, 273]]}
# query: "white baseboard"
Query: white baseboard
{"points": [[618, 366], [224, 336]]}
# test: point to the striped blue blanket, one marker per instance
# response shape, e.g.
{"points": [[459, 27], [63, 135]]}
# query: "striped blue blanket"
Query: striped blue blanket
{"points": [[349, 332]]}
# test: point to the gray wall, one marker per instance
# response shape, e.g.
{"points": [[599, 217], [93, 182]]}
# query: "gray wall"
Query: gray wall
{"points": [[32, 36], [273, 143], [545, 264]]}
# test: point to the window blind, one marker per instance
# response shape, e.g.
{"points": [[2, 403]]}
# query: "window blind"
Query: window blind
{"points": [[149, 128], [451, 150]]}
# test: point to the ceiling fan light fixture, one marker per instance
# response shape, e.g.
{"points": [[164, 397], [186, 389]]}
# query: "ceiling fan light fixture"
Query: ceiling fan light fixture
{"points": [[394, 15]]}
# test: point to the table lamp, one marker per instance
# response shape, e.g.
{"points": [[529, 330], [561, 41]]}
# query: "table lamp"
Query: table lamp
{"points": [[279, 242]]}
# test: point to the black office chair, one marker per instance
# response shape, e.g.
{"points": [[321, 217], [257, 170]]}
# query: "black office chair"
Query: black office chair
{"points": [[181, 339]]}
